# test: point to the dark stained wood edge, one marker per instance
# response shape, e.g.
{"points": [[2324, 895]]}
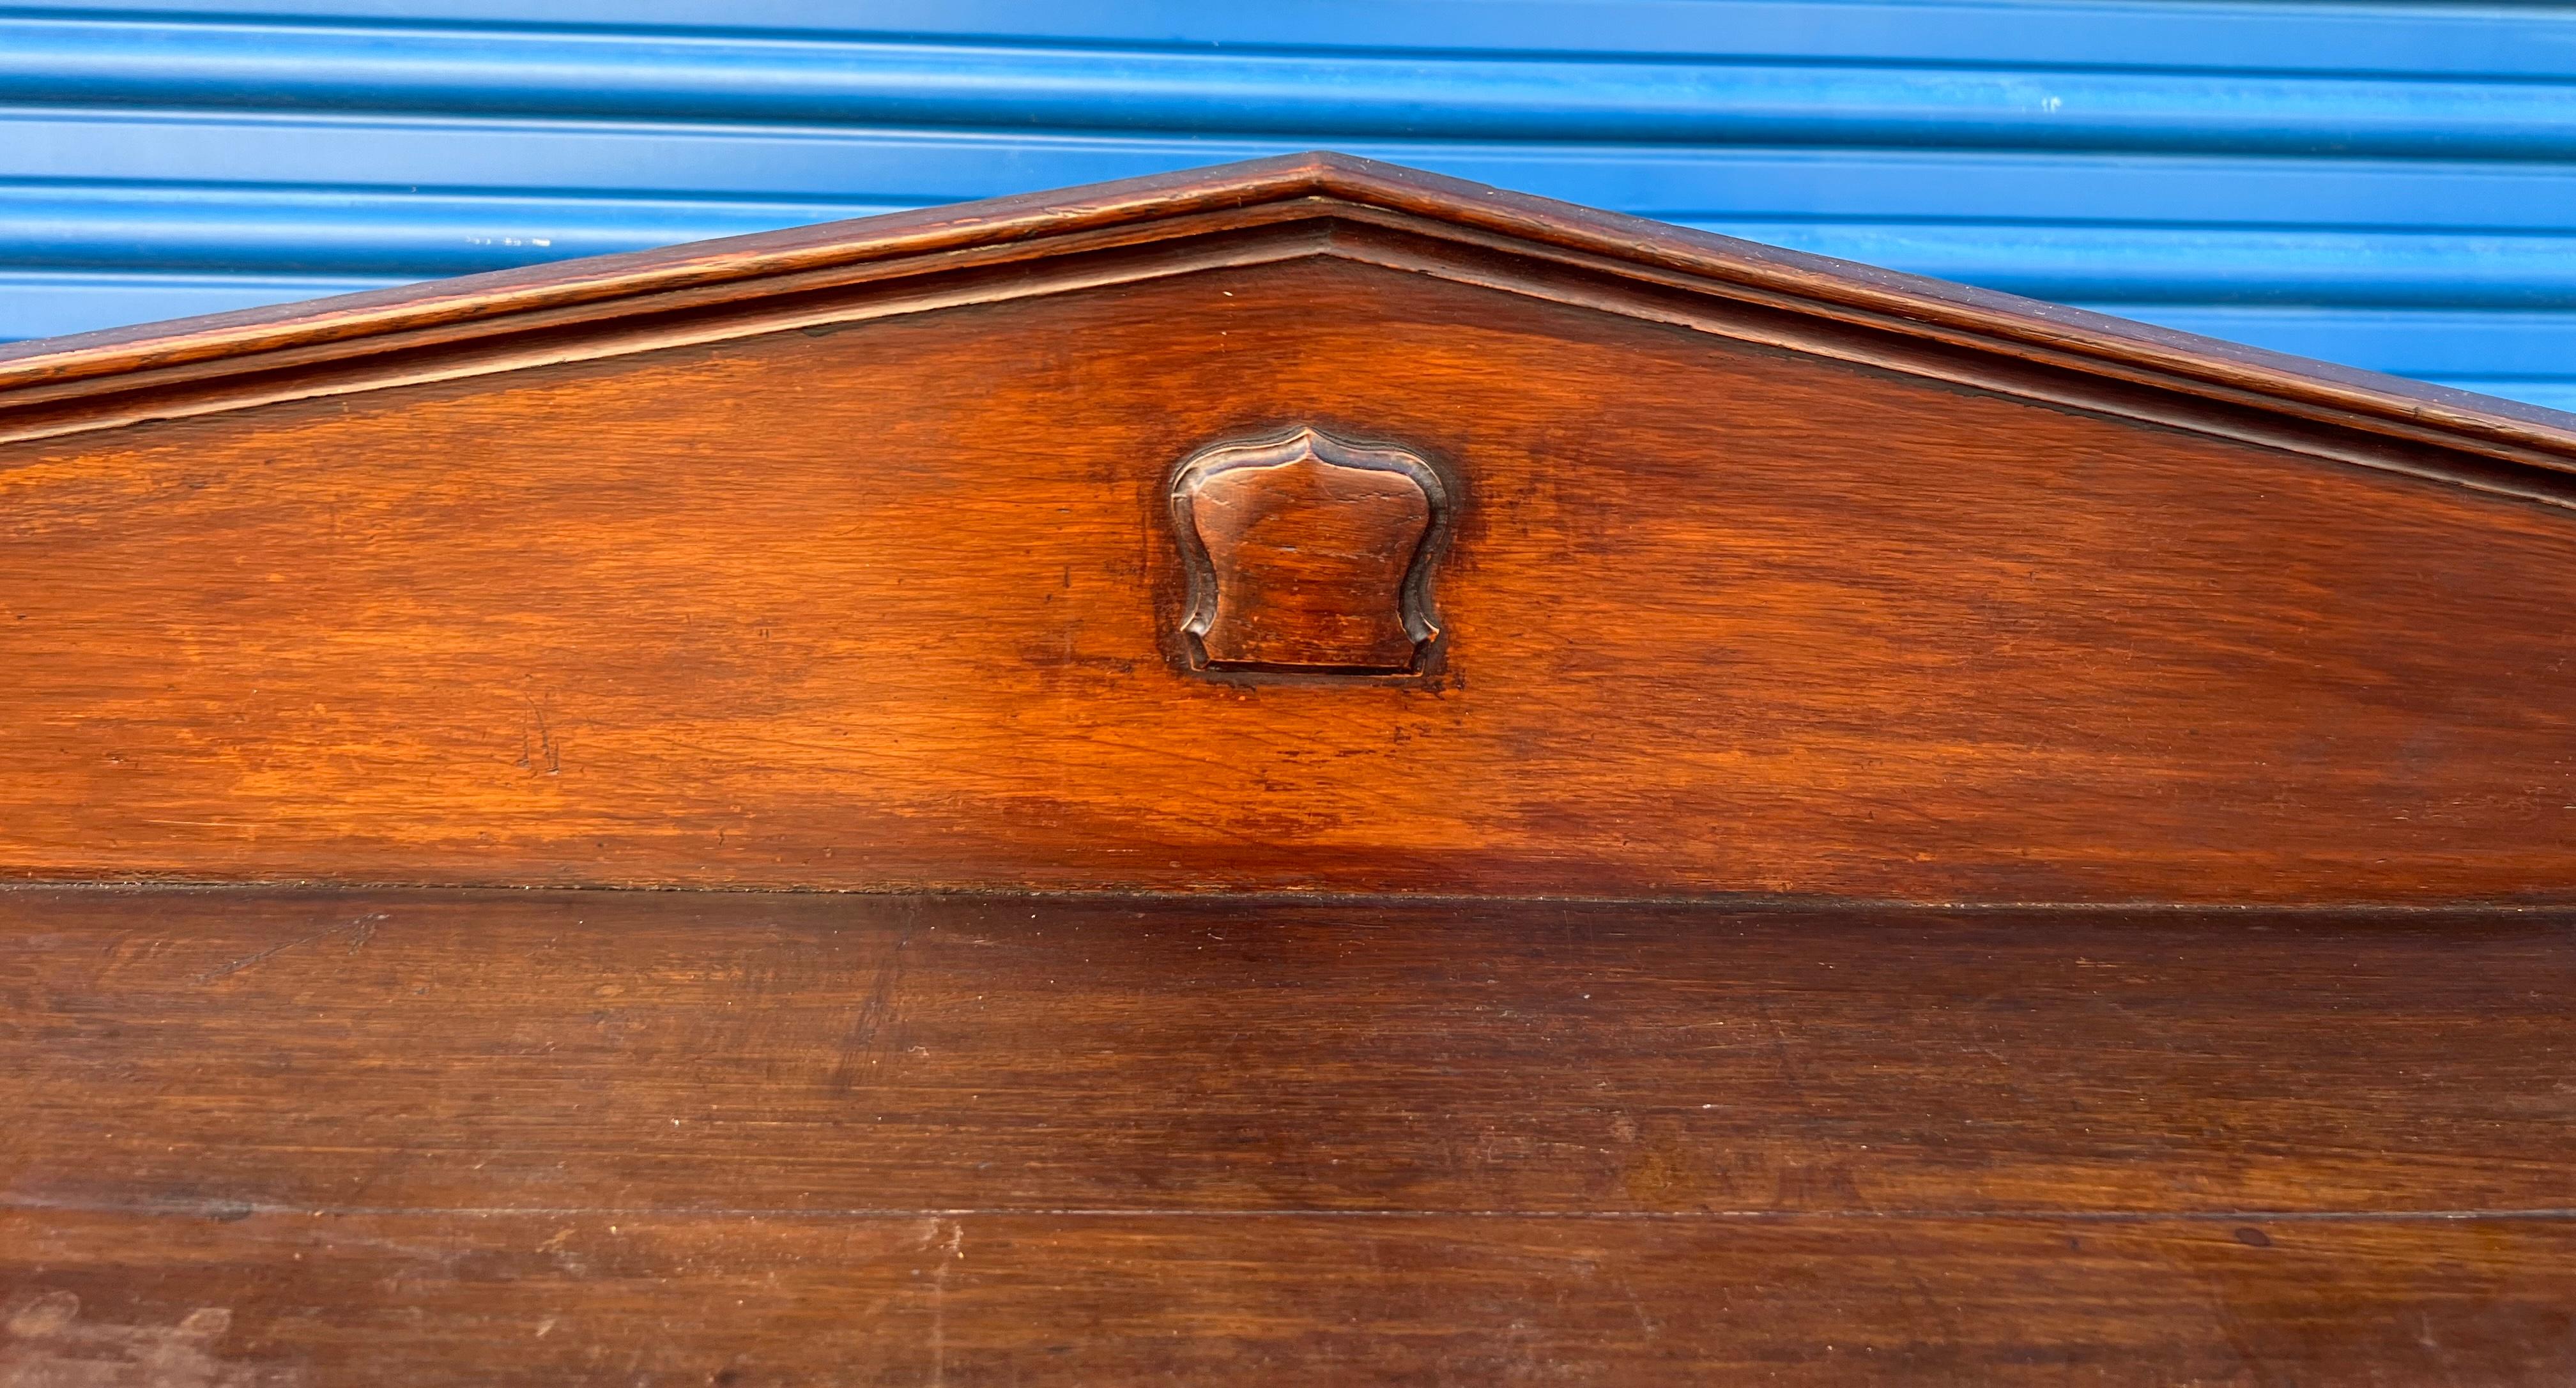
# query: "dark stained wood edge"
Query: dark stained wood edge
{"points": [[264, 1138], [294, 1299], [604, 289], [835, 1053], [816, 300]]}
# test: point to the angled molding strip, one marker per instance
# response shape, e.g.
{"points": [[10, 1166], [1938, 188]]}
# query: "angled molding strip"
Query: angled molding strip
{"points": [[770, 281]]}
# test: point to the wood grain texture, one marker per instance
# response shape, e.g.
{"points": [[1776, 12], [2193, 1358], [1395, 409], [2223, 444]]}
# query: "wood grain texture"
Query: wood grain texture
{"points": [[420, 1137], [406, 1301], [856, 557], [239, 1050], [808, 608], [1307, 554], [596, 292]]}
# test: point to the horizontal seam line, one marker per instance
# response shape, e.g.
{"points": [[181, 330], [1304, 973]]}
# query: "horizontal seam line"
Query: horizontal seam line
{"points": [[243, 1209], [1221, 896]]}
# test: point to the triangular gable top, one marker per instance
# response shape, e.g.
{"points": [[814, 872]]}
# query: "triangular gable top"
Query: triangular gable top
{"points": [[85, 380], [1305, 524]]}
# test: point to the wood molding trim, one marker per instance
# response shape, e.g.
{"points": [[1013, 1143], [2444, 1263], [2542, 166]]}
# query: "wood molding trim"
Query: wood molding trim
{"points": [[1314, 188]]}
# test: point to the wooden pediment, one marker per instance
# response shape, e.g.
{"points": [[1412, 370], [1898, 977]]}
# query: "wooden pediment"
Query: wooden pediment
{"points": [[1306, 524], [1083, 577]]}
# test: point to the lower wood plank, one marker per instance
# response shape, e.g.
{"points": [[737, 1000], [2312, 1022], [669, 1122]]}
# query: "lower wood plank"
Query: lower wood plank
{"points": [[970, 1299], [454, 1050], [259, 1138]]}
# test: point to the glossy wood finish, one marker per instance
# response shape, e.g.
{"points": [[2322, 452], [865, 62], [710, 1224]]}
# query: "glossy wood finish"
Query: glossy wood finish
{"points": [[439, 1137], [809, 608], [132, 372], [1309, 555], [1587, 559], [839, 1052], [289, 1300]]}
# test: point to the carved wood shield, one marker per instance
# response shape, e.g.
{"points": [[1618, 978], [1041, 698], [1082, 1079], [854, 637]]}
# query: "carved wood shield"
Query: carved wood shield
{"points": [[1309, 554]]}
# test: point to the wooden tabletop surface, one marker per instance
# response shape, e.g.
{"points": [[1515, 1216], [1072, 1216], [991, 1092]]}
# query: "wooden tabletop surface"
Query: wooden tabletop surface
{"points": [[266, 1136]]}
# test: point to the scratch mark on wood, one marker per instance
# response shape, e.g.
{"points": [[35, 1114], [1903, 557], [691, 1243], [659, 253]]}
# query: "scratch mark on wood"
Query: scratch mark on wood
{"points": [[949, 1236], [859, 1049], [48, 1345], [364, 928], [538, 749]]}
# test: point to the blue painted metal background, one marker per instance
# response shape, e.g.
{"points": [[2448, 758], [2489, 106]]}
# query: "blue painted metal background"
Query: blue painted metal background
{"points": [[2392, 186]]}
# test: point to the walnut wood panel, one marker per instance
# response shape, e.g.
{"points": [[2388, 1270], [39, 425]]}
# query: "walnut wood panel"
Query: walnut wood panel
{"points": [[405, 1300], [218, 1053], [891, 605], [419, 1137]]}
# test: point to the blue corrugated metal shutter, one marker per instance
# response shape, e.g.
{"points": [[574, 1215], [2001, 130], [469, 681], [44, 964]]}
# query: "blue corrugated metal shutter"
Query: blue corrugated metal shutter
{"points": [[2390, 186]]}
